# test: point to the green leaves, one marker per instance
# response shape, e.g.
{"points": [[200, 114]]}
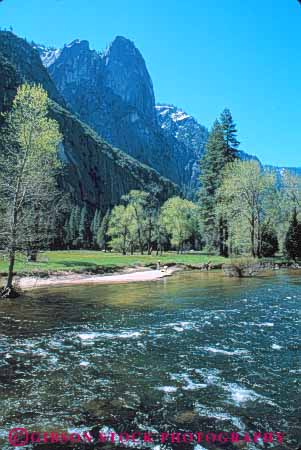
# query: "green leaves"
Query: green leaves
{"points": [[140, 223], [231, 143], [29, 164], [293, 237], [212, 165], [178, 216], [243, 199]]}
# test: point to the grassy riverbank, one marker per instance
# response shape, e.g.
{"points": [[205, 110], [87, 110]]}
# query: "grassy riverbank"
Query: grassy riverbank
{"points": [[87, 260]]}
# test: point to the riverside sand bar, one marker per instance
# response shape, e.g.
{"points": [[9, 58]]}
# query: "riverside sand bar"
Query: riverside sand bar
{"points": [[76, 279]]}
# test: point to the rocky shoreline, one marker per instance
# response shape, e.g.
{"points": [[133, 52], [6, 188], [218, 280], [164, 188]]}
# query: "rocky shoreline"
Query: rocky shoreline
{"points": [[241, 270]]}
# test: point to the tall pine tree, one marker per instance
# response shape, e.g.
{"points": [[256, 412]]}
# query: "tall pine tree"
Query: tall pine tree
{"points": [[293, 238], [84, 232], [221, 149], [73, 227], [212, 164], [231, 145], [229, 130], [102, 237], [95, 224]]}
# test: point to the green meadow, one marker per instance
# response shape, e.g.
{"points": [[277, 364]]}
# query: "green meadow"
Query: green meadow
{"points": [[85, 260]]}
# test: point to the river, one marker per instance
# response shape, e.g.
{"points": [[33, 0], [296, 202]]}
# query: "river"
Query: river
{"points": [[196, 351]]}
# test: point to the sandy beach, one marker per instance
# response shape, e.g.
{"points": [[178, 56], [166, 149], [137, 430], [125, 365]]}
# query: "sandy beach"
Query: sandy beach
{"points": [[78, 279]]}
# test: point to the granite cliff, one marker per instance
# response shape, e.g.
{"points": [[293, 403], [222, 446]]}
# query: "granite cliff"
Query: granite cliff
{"points": [[113, 93], [95, 172]]}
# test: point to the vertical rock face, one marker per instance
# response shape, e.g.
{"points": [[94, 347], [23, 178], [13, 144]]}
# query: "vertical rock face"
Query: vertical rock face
{"points": [[126, 74], [113, 93], [28, 63], [75, 64], [95, 173], [9, 81]]}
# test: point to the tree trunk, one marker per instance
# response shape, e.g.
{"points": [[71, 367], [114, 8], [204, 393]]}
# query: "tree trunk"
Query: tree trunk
{"points": [[10, 276], [226, 236], [8, 290], [149, 239], [258, 251], [253, 237], [221, 237], [124, 243]]}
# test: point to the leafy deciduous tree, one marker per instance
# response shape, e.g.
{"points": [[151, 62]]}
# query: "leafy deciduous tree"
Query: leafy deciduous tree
{"points": [[138, 200], [28, 167], [120, 228], [243, 199], [177, 217]]}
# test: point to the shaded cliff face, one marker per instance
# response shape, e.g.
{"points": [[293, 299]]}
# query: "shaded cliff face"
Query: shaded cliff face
{"points": [[9, 81], [27, 63], [98, 174], [95, 172], [126, 74], [113, 93]]}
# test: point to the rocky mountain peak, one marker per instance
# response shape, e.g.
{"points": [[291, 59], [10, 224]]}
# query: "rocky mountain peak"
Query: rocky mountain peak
{"points": [[183, 127], [79, 44], [126, 74], [172, 112], [75, 49], [74, 63], [122, 44]]}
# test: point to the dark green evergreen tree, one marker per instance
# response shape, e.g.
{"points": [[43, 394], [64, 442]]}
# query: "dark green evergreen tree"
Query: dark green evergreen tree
{"points": [[221, 149], [102, 237], [67, 237], [269, 241], [230, 133], [84, 232], [231, 145], [73, 227], [211, 165], [95, 224], [293, 238], [58, 240]]}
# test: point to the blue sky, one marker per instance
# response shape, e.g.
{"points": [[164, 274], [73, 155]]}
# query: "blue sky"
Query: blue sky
{"points": [[203, 55]]}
